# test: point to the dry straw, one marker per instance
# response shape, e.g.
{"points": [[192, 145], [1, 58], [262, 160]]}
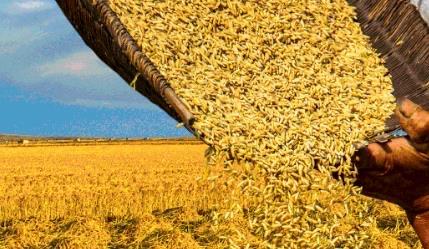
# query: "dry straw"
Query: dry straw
{"points": [[280, 87]]}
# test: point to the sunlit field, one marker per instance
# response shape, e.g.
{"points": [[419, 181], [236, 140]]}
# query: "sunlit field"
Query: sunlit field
{"points": [[131, 195]]}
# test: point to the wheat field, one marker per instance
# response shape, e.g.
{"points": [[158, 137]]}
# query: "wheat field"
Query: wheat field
{"points": [[133, 195]]}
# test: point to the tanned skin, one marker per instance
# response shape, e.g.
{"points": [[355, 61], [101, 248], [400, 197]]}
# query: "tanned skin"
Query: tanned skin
{"points": [[398, 171]]}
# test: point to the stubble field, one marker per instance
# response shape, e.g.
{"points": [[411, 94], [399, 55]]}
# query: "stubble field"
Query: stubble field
{"points": [[132, 195]]}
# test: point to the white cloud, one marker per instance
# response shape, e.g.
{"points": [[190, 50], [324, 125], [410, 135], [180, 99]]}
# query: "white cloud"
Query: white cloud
{"points": [[424, 10], [25, 37], [114, 104], [29, 6], [80, 64]]}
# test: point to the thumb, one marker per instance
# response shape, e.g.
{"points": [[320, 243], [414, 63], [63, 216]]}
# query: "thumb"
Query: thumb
{"points": [[373, 159], [414, 120]]}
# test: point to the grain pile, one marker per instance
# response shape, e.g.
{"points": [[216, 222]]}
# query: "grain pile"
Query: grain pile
{"points": [[281, 87]]}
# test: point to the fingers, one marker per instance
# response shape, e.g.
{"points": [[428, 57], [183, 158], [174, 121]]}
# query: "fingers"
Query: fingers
{"points": [[398, 154], [380, 178], [404, 111], [414, 120], [379, 156], [372, 159], [406, 156], [407, 108]]}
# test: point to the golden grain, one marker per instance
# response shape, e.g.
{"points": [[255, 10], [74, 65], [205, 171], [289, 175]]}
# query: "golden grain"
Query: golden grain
{"points": [[282, 86]]}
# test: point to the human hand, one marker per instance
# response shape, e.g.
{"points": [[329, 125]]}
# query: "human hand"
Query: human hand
{"points": [[398, 171]]}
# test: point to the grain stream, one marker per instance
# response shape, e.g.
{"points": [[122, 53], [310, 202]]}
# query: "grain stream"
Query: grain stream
{"points": [[278, 88]]}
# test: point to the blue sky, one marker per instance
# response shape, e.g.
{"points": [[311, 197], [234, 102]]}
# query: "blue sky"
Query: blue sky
{"points": [[51, 84]]}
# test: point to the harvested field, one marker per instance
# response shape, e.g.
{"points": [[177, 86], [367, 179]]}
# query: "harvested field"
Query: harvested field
{"points": [[131, 196], [99, 196]]}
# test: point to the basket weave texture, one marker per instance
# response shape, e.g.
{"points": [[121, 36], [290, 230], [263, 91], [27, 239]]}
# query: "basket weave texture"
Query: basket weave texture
{"points": [[401, 36]]}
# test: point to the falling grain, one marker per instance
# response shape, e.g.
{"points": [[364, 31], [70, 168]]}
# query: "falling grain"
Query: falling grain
{"points": [[280, 87]]}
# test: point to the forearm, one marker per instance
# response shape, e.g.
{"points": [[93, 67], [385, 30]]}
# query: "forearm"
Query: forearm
{"points": [[420, 223]]}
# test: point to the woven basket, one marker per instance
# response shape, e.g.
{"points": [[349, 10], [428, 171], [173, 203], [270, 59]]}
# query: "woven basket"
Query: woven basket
{"points": [[104, 33], [395, 27]]}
